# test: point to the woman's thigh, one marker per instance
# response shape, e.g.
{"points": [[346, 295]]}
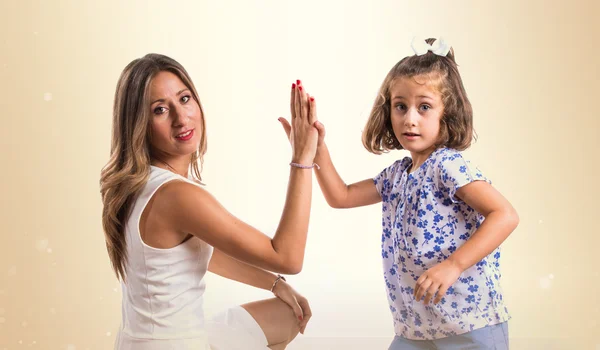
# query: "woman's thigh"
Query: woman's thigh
{"points": [[275, 318]]}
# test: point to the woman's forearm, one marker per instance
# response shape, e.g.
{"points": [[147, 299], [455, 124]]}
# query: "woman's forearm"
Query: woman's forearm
{"points": [[230, 268]]}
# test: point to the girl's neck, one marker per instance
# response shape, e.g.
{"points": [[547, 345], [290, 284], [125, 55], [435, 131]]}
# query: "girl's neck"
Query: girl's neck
{"points": [[419, 158]]}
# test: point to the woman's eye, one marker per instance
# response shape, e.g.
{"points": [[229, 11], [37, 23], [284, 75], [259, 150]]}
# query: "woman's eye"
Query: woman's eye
{"points": [[185, 99], [159, 110]]}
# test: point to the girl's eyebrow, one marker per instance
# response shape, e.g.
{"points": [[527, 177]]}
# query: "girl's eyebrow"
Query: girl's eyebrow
{"points": [[421, 96]]}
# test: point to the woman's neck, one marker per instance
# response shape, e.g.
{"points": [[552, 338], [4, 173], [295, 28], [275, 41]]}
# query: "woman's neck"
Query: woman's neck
{"points": [[179, 166]]}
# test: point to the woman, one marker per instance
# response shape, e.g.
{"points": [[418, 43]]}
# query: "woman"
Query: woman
{"points": [[163, 230]]}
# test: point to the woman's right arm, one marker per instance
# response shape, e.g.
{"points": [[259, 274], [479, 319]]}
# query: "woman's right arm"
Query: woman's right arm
{"points": [[191, 209]]}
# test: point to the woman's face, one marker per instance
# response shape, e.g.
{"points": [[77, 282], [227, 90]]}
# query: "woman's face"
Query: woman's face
{"points": [[175, 118]]}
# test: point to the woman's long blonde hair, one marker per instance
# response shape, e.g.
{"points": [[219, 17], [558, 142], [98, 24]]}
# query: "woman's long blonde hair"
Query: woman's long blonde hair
{"points": [[128, 168]]}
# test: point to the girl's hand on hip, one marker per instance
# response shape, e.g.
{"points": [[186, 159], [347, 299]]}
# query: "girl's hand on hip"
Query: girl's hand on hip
{"points": [[436, 280]]}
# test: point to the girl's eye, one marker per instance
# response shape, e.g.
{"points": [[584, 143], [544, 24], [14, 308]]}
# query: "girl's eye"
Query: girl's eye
{"points": [[185, 99], [160, 110], [425, 107], [400, 107]]}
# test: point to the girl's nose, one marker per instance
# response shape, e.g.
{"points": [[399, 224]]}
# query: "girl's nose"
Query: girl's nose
{"points": [[411, 117]]}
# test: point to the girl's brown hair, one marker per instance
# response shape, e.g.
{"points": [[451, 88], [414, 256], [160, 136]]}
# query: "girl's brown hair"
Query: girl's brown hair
{"points": [[456, 125]]}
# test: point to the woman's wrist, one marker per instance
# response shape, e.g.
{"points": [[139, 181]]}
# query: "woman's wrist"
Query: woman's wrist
{"points": [[278, 281], [302, 160], [302, 166]]}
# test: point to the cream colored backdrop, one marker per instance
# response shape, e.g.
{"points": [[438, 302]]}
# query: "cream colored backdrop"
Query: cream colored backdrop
{"points": [[530, 69]]}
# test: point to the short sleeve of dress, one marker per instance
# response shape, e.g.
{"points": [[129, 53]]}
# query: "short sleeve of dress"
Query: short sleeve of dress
{"points": [[455, 172], [384, 181]]}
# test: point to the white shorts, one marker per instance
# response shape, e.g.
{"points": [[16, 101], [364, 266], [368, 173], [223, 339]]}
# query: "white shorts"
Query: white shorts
{"points": [[235, 329], [232, 329]]}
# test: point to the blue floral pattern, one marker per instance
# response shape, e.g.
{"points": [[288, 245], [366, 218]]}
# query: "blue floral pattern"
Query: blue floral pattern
{"points": [[423, 224]]}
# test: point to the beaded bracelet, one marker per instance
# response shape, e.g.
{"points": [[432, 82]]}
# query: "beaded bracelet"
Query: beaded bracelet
{"points": [[279, 277], [306, 166]]}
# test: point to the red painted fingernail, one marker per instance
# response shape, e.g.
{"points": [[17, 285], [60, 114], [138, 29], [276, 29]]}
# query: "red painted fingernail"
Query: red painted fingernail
{"points": [[312, 98], [298, 82], [299, 87], [293, 86]]}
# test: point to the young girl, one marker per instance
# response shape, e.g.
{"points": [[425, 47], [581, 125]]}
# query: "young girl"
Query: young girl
{"points": [[164, 231], [442, 220]]}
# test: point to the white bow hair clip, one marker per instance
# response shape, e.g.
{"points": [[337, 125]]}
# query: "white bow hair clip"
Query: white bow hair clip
{"points": [[439, 47]]}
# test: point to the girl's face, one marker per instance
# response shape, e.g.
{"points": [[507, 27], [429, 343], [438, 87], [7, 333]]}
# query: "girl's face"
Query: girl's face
{"points": [[416, 110], [176, 120]]}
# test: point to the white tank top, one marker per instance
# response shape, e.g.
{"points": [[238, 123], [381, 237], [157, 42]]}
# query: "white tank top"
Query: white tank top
{"points": [[162, 305]]}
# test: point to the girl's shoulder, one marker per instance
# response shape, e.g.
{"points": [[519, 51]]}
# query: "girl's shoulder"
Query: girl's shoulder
{"points": [[442, 158], [444, 154], [398, 167], [454, 168], [392, 173]]}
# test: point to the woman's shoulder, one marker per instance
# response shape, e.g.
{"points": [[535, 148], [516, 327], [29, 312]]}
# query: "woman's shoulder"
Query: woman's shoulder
{"points": [[172, 188], [160, 175], [173, 182]]}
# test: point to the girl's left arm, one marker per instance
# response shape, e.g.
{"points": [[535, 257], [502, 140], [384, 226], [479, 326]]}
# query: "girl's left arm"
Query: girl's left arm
{"points": [[501, 219]]}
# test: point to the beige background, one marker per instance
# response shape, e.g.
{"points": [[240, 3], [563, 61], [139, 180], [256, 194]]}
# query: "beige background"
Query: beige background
{"points": [[530, 69]]}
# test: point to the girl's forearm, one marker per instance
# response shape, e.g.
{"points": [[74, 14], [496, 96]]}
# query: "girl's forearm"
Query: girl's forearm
{"points": [[333, 187]]}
